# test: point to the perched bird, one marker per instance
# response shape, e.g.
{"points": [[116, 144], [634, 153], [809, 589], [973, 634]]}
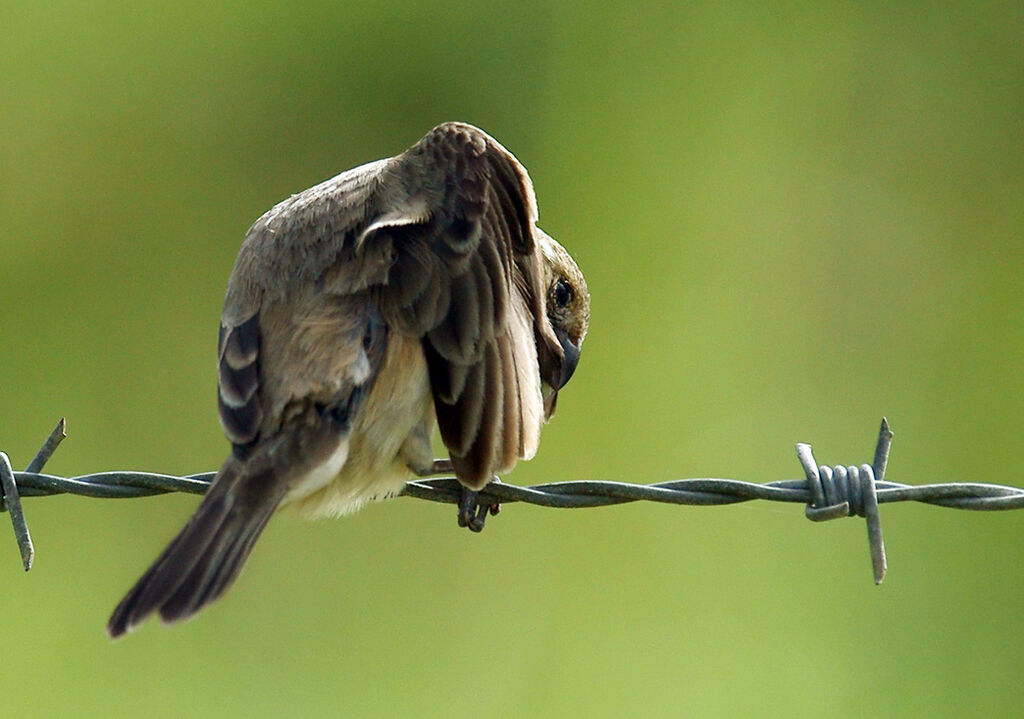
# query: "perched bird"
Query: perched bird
{"points": [[408, 291]]}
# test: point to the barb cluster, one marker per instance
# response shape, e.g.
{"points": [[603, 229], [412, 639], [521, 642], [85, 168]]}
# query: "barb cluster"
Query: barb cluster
{"points": [[827, 492]]}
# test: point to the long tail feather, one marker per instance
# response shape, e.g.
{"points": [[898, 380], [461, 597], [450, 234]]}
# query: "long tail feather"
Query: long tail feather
{"points": [[209, 552]]}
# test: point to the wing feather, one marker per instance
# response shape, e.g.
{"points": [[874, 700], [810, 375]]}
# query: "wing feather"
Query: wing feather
{"points": [[238, 399], [481, 237], [475, 465]]}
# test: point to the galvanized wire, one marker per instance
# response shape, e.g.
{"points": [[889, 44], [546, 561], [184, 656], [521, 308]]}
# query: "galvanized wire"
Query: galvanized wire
{"points": [[827, 492]]}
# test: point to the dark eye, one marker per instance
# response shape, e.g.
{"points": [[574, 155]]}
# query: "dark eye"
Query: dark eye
{"points": [[563, 294]]}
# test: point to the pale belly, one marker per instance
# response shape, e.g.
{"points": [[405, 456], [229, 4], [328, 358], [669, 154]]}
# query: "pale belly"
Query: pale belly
{"points": [[370, 463]]}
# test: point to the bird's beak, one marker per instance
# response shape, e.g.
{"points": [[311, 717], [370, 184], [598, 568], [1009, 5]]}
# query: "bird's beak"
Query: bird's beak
{"points": [[571, 357]]}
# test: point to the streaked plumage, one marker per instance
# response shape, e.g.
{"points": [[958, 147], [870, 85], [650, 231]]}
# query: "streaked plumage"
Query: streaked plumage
{"points": [[406, 291]]}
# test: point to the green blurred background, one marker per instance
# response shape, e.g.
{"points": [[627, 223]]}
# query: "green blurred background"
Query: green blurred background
{"points": [[794, 219]]}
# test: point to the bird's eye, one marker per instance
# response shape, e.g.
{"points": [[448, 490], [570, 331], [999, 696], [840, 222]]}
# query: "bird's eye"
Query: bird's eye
{"points": [[563, 293]]}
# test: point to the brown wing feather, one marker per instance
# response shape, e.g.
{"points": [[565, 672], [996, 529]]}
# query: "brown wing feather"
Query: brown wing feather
{"points": [[238, 398], [475, 465], [451, 283], [511, 431], [459, 421]]}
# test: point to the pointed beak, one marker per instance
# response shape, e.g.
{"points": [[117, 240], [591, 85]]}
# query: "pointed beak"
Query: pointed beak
{"points": [[571, 353]]}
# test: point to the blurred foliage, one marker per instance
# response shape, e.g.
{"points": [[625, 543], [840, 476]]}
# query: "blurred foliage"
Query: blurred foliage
{"points": [[793, 217]]}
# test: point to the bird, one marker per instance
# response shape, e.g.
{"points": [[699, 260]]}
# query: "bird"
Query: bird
{"points": [[407, 294]]}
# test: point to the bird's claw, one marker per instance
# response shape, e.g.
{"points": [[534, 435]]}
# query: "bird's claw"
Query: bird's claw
{"points": [[472, 514]]}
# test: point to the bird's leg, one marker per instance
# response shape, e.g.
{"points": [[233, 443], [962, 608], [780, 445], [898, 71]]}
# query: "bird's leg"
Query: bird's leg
{"points": [[418, 453], [472, 514]]}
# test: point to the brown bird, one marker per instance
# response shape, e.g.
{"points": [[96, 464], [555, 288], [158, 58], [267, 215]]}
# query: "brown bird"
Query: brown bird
{"points": [[406, 291]]}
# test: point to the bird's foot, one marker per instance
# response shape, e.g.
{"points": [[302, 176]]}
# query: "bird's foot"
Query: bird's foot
{"points": [[472, 514]]}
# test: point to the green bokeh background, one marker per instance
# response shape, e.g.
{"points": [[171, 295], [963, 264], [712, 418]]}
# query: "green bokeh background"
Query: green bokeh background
{"points": [[794, 218]]}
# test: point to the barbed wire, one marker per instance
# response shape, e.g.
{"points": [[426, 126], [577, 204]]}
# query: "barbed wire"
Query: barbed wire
{"points": [[829, 492]]}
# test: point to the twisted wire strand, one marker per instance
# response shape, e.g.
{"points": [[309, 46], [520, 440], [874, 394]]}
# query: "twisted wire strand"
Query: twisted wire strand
{"points": [[565, 495], [827, 492]]}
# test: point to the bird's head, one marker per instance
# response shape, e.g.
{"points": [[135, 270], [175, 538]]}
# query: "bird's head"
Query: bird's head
{"points": [[567, 304]]}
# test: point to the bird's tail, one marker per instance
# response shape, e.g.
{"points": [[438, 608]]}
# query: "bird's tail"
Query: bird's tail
{"points": [[207, 555]]}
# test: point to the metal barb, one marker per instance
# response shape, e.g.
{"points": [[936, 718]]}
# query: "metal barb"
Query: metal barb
{"points": [[13, 502], [849, 491], [878, 562], [11, 499], [57, 436]]}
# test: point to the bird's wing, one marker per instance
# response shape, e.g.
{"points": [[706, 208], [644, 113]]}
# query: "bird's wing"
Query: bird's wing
{"points": [[458, 213]]}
